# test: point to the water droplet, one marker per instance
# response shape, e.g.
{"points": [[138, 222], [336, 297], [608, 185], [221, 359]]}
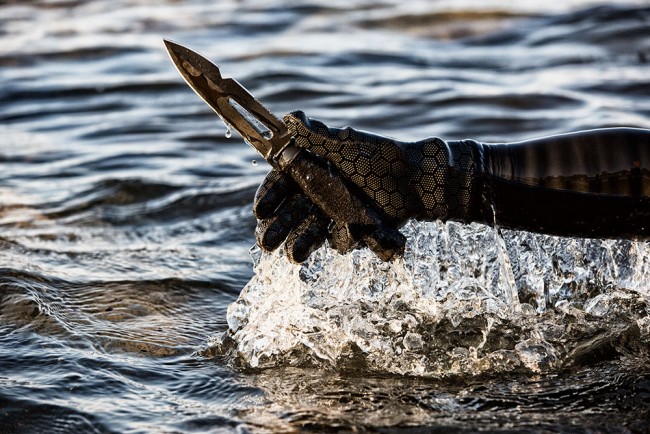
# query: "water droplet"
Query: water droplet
{"points": [[256, 254], [254, 162], [228, 132]]}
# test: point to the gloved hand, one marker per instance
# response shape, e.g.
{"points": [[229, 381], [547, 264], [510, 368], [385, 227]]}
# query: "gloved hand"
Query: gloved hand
{"points": [[398, 180]]}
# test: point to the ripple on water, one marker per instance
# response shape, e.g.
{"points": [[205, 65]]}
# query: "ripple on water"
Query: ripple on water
{"points": [[137, 317], [607, 396]]}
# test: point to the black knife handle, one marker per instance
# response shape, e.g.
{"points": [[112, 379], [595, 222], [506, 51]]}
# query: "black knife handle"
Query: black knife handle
{"points": [[341, 201]]}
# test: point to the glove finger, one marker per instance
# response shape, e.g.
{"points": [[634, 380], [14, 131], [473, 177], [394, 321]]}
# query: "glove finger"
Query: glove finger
{"points": [[340, 239], [274, 189], [386, 242], [307, 237], [271, 232]]}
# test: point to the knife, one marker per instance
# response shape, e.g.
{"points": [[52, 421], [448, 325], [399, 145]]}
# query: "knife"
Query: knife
{"points": [[271, 138]]}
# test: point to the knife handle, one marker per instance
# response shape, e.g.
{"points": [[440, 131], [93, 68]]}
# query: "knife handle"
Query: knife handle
{"points": [[341, 201]]}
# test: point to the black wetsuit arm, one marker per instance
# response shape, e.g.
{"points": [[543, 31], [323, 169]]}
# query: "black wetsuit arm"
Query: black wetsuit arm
{"points": [[590, 184]]}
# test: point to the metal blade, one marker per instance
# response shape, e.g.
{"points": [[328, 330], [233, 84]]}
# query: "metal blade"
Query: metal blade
{"points": [[232, 102]]}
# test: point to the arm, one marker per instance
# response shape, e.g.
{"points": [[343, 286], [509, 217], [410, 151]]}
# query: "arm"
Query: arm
{"points": [[589, 184], [571, 185]]}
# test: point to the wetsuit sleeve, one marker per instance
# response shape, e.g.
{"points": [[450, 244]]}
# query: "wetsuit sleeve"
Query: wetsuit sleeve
{"points": [[588, 184]]}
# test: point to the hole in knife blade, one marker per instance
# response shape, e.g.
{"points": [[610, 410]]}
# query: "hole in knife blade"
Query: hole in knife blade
{"points": [[251, 119]]}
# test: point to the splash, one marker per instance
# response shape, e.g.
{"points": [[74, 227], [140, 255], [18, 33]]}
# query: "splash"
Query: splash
{"points": [[464, 300]]}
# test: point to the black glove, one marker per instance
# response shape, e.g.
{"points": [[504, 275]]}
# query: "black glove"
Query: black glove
{"points": [[397, 180]]}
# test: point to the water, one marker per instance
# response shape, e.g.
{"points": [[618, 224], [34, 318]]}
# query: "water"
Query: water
{"points": [[464, 301], [126, 224]]}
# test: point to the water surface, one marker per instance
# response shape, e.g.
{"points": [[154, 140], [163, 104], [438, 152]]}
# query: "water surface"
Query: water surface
{"points": [[126, 224]]}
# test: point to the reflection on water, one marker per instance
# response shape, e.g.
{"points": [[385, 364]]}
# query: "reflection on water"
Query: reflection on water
{"points": [[592, 400], [126, 225]]}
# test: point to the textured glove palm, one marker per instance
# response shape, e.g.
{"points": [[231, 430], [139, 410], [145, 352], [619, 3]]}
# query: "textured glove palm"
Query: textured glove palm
{"points": [[400, 180]]}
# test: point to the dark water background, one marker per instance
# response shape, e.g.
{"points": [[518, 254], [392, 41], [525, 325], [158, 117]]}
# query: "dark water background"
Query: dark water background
{"points": [[125, 213]]}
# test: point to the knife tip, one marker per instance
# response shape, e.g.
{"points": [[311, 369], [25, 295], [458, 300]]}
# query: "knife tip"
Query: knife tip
{"points": [[168, 43]]}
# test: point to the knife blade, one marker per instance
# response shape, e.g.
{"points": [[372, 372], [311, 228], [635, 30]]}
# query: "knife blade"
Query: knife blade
{"points": [[238, 109]]}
